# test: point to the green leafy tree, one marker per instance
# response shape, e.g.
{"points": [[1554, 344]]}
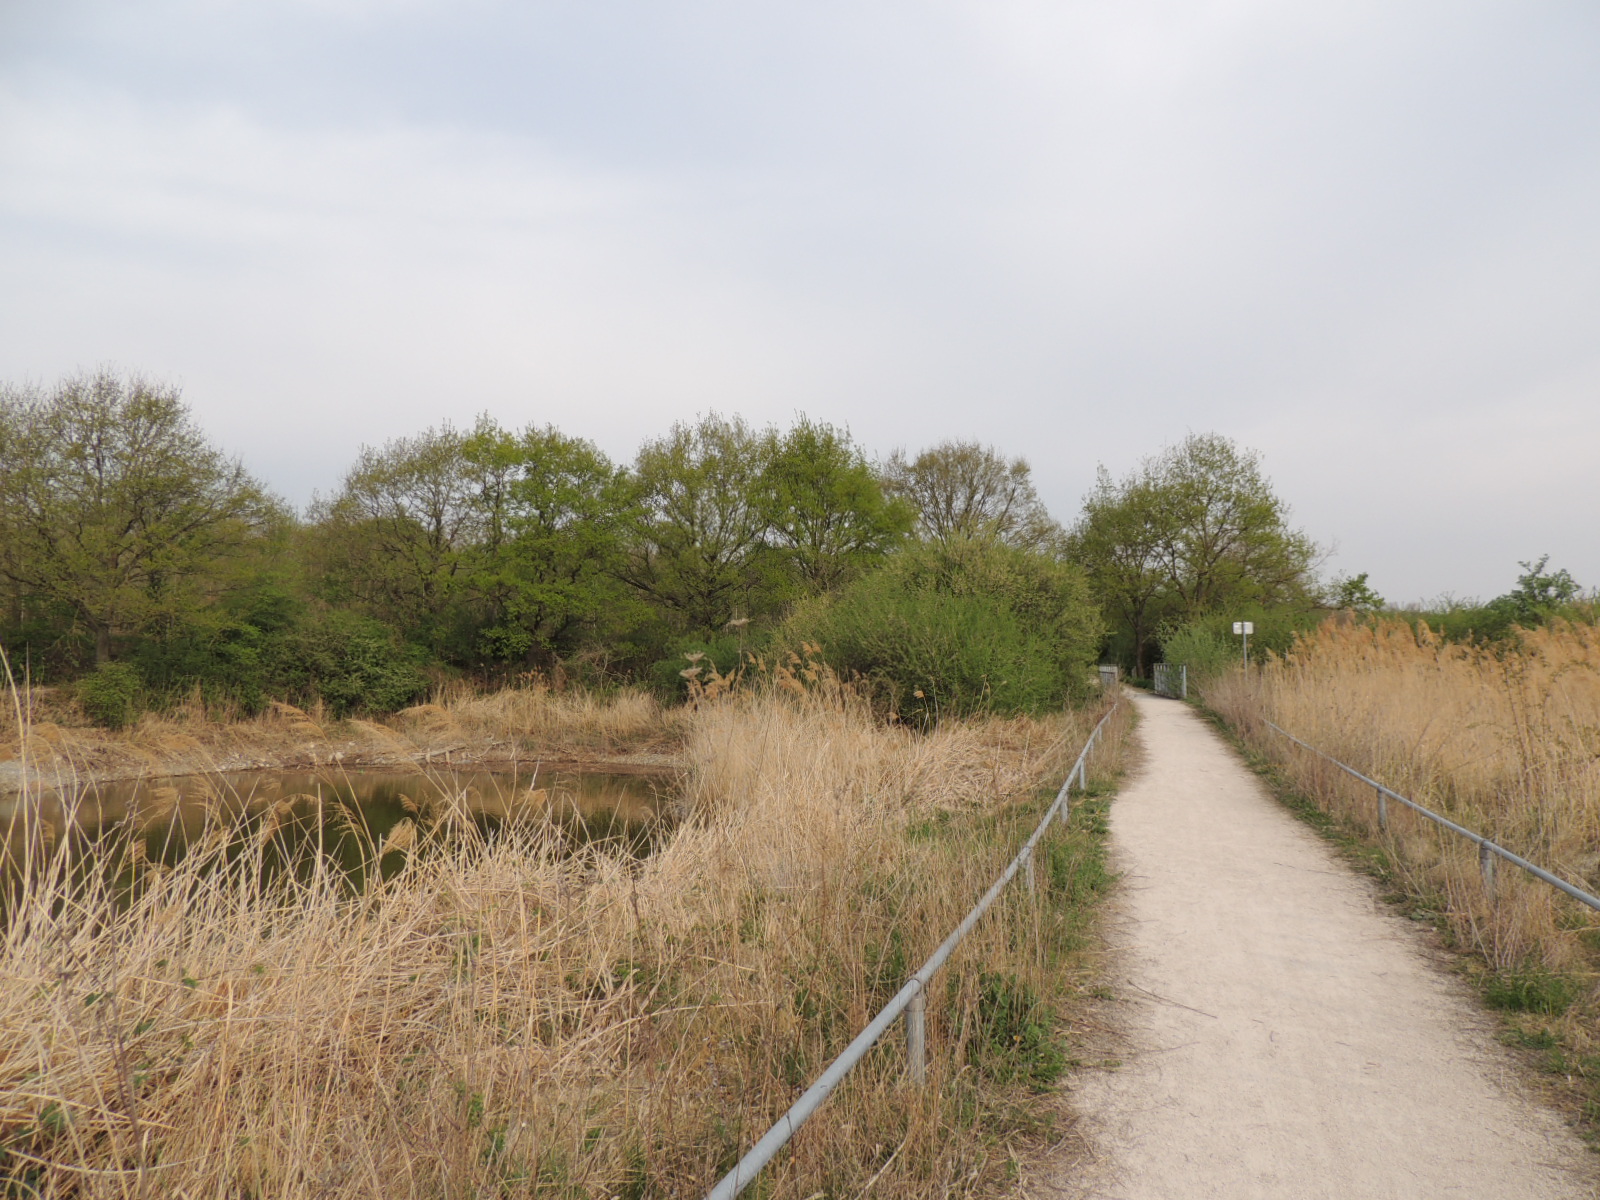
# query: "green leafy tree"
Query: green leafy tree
{"points": [[1192, 531], [393, 541], [115, 508], [1353, 592], [1539, 595], [1119, 542], [554, 514], [699, 550], [823, 506], [964, 490]]}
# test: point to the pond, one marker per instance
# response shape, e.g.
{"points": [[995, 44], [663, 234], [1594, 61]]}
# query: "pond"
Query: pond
{"points": [[351, 819]]}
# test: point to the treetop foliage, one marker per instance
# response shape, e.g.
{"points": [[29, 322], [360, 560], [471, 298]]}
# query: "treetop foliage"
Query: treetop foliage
{"points": [[965, 490], [115, 508], [125, 535], [1192, 530]]}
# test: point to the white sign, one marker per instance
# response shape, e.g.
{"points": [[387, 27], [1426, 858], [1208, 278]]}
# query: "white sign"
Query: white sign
{"points": [[1243, 627]]}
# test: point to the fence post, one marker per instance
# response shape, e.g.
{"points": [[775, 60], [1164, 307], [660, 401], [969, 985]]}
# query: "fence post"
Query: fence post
{"points": [[1486, 865], [917, 1037], [1027, 870], [1383, 811]]}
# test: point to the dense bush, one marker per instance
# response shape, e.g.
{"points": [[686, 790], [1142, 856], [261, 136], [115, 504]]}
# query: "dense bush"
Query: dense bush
{"points": [[110, 695], [959, 628], [351, 663], [1205, 650], [1210, 646]]}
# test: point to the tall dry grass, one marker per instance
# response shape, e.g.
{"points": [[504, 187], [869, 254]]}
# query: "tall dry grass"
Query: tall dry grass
{"points": [[1504, 740], [505, 1017], [48, 729], [569, 720]]}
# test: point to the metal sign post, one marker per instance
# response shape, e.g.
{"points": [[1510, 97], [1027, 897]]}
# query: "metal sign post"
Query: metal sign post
{"points": [[1244, 629]]}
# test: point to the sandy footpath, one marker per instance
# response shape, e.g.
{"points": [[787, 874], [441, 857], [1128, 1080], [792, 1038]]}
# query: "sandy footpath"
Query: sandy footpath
{"points": [[1286, 1036]]}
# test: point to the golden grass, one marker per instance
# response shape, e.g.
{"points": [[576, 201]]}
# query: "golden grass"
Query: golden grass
{"points": [[571, 721], [1505, 741], [507, 1018], [519, 722]]}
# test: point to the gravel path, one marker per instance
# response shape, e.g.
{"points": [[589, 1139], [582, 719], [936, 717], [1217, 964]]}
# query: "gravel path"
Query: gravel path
{"points": [[1287, 1037]]}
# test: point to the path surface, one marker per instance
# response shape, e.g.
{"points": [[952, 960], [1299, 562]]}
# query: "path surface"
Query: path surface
{"points": [[1287, 1037]]}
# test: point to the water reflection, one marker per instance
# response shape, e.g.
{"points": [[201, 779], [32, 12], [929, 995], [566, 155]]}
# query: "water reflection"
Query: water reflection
{"points": [[303, 822]]}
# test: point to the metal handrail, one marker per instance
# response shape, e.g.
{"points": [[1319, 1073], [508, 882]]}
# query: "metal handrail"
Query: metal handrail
{"points": [[1485, 846], [907, 1002]]}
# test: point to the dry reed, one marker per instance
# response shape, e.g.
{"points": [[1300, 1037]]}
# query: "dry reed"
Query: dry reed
{"points": [[508, 1016], [531, 722], [1504, 740]]}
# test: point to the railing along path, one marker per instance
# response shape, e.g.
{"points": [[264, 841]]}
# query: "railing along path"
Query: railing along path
{"points": [[1487, 850], [909, 1002]]}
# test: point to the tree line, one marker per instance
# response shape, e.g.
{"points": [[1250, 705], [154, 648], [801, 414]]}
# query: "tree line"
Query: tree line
{"points": [[130, 543]]}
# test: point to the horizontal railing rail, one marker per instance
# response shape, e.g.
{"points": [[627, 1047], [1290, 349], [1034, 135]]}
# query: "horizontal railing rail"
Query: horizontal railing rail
{"points": [[1487, 850], [908, 1001]]}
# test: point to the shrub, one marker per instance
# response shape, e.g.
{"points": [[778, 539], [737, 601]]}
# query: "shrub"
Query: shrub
{"points": [[110, 696], [1202, 648], [722, 652], [958, 628], [351, 663]]}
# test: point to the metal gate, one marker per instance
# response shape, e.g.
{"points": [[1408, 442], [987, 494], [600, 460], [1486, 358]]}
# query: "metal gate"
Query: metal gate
{"points": [[1172, 679]]}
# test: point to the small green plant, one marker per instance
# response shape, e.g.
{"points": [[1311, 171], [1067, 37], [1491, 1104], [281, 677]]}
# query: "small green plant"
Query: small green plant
{"points": [[1530, 988], [110, 696], [1015, 1035]]}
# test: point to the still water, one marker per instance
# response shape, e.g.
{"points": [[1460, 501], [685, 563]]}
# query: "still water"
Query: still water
{"points": [[352, 820]]}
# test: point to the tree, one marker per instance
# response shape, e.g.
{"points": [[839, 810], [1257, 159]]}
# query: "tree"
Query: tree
{"points": [[1353, 592], [1119, 543], [823, 506], [1538, 596], [1190, 532], [392, 539], [964, 490], [114, 506], [699, 550], [1228, 535], [553, 517]]}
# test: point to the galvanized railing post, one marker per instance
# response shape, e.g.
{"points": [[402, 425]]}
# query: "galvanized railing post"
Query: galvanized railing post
{"points": [[1486, 866], [1383, 811], [917, 1038], [1027, 871]]}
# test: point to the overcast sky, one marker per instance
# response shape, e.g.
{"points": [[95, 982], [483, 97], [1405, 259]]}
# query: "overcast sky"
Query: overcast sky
{"points": [[1361, 238]]}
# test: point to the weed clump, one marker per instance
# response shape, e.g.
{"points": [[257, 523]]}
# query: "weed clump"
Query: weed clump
{"points": [[110, 696]]}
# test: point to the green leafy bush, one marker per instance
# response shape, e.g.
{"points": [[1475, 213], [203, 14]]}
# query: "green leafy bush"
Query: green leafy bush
{"points": [[110, 696], [723, 653], [351, 663], [1203, 649], [958, 628]]}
